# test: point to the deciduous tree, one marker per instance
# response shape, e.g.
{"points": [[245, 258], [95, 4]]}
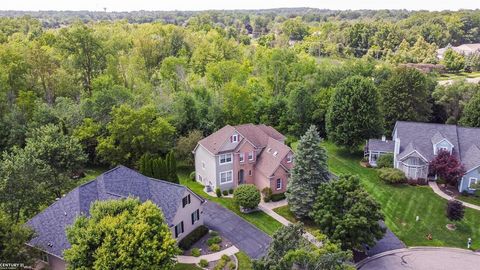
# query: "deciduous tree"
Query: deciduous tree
{"points": [[447, 166]]}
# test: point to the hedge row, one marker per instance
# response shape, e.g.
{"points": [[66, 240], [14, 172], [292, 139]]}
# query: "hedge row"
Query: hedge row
{"points": [[193, 237]]}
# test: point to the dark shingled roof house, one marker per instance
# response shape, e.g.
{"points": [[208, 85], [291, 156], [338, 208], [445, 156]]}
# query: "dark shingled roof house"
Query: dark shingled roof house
{"points": [[414, 145], [181, 207]]}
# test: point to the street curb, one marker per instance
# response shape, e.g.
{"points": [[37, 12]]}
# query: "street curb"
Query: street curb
{"points": [[361, 263]]}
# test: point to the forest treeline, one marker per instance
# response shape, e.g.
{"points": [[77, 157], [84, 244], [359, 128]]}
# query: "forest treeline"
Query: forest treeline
{"points": [[108, 92]]}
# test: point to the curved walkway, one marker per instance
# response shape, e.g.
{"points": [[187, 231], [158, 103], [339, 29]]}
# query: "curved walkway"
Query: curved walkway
{"points": [[442, 194], [422, 258], [209, 257]]}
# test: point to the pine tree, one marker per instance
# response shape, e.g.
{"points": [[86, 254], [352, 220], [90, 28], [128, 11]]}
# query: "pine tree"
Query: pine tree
{"points": [[309, 172]]}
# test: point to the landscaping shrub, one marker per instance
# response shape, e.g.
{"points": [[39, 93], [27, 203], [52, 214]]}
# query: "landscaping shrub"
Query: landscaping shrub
{"points": [[277, 197], [196, 252], [214, 248], [225, 193], [219, 192], [193, 237], [422, 181], [192, 176], [385, 161], [392, 176], [222, 263], [412, 182], [247, 196], [230, 191], [455, 210], [267, 194], [203, 263], [231, 265], [214, 240], [213, 233]]}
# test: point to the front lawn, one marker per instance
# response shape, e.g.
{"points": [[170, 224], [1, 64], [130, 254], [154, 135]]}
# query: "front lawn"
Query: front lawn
{"points": [[259, 219], [244, 262], [401, 205], [469, 199], [285, 212]]}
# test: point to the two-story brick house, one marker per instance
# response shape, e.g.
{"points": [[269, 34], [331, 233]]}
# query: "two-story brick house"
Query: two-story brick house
{"points": [[244, 154]]}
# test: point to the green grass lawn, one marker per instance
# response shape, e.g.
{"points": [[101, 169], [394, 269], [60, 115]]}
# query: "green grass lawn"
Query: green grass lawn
{"points": [[259, 219], [284, 211], [401, 204], [244, 262], [469, 199], [460, 75]]}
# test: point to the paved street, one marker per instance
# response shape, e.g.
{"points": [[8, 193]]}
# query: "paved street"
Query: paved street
{"points": [[242, 234], [389, 242], [423, 258]]}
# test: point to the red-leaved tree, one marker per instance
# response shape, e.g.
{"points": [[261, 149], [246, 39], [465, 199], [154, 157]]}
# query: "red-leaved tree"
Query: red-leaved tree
{"points": [[448, 167]]}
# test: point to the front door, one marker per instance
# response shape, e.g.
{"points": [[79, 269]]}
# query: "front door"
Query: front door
{"points": [[240, 177]]}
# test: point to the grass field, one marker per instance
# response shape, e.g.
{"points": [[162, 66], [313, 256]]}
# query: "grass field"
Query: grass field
{"points": [[469, 199], [401, 204], [182, 266], [460, 75], [259, 219], [244, 262]]}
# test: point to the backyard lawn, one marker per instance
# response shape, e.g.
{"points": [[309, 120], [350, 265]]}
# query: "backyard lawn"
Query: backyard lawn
{"points": [[401, 204], [460, 75], [259, 219]]}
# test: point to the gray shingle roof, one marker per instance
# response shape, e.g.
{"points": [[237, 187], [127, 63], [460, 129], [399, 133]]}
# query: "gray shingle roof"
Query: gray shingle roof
{"points": [[422, 137], [119, 182], [381, 146]]}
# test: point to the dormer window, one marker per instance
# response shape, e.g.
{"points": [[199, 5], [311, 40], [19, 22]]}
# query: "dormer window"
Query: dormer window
{"points": [[289, 158], [234, 138], [275, 153]]}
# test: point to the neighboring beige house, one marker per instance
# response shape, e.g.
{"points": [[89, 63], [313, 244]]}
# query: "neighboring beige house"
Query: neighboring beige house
{"points": [[465, 49], [183, 209], [244, 154]]}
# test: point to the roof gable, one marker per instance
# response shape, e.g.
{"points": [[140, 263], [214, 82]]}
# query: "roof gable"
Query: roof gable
{"points": [[271, 157], [117, 183]]}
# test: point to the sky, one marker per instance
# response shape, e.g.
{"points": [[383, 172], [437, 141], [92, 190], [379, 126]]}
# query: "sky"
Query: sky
{"points": [[131, 5]]}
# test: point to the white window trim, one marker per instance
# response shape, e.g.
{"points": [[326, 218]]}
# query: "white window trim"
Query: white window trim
{"points": [[226, 162], [253, 155], [234, 138], [276, 184], [470, 180], [180, 226], [289, 158], [242, 157], [226, 173]]}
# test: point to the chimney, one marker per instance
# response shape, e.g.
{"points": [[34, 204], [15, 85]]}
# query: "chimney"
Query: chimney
{"points": [[384, 138]]}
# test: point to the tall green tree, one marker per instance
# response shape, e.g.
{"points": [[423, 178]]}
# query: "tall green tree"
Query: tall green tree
{"points": [[471, 113], [13, 237], [453, 97], [85, 49], [345, 212], [453, 61], [290, 250], [354, 114], [121, 234], [405, 95], [132, 133], [310, 171]]}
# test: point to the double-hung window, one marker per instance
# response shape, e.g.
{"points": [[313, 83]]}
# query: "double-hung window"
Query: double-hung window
{"points": [[179, 229], [242, 157], [225, 158], [279, 183], [250, 155], [226, 177], [472, 182], [195, 216], [186, 200], [234, 138]]}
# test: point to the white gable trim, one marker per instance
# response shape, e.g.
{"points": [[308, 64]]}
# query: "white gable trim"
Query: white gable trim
{"points": [[245, 138], [414, 151], [474, 168]]}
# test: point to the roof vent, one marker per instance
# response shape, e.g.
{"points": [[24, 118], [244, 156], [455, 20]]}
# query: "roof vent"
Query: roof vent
{"points": [[269, 150], [50, 244], [64, 213], [275, 153]]}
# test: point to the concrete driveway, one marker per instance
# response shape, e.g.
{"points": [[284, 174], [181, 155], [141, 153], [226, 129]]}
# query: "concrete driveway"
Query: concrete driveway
{"points": [[423, 258], [242, 234]]}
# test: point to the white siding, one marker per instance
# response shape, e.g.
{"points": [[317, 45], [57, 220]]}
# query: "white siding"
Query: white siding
{"points": [[207, 173], [184, 214]]}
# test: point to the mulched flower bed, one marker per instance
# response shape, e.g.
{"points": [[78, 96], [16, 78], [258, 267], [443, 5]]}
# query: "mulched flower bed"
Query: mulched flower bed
{"points": [[204, 248]]}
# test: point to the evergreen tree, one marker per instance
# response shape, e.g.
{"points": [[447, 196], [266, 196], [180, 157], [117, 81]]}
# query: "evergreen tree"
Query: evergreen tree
{"points": [[309, 172], [354, 114]]}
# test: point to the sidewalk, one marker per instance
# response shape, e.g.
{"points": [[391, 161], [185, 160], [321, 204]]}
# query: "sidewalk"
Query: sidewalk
{"points": [[442, 194], [209, 257], [267, 208]]}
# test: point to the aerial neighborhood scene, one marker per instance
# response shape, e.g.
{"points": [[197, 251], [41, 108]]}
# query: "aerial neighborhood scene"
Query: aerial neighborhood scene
{"points": [[247, 135]]}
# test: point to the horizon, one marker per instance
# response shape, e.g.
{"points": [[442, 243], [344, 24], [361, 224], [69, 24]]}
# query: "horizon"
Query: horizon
{"points": [[217, 5]]}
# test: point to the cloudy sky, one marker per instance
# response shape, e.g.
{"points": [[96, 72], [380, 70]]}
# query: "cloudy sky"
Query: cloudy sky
{"points": [[129, 5]]}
